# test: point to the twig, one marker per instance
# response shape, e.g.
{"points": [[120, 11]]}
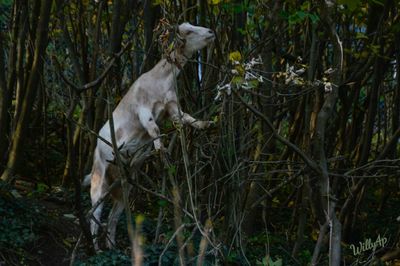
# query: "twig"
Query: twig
{"points": [[177, 231], [122, 172], [73, 255], [203, 243]]}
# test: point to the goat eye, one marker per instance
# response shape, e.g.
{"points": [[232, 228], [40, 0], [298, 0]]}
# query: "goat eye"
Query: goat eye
{"points": [[189, 32]]}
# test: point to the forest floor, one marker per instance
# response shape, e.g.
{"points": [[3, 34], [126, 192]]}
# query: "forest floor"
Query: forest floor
{"points": [[36, 228], [58, 239]]}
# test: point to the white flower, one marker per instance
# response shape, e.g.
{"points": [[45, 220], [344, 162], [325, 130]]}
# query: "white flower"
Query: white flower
{"points": [[218, 97], [328, 87], [329, 71], [223, 89], [300, 71], [249, 76]]}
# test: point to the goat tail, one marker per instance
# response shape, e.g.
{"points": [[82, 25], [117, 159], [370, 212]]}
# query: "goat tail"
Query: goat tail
{"points": [[86, 181]]}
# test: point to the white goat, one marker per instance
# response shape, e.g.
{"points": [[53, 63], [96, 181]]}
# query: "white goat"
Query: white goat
{"points": [[149, 98]]}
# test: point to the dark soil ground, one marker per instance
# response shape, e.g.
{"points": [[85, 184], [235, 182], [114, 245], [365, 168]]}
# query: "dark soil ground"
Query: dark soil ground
{"points": [[35, 229]]}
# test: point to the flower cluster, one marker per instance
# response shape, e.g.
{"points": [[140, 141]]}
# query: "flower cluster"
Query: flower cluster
{"points": [[243, 75]]}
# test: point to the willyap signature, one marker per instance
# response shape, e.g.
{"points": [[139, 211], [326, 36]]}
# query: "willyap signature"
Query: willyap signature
{"points": [[368, 244]]}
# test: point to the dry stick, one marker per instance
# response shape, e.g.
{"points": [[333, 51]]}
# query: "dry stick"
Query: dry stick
{"points": [[124, 182], [318, 245], [177, 231], [160, 213], [203, 243], [73, 255], [163, 184], [176, 202], [72, 174]]}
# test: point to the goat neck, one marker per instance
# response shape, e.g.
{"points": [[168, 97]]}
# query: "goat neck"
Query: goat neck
{"points": [[170, 65], [178, 58]]}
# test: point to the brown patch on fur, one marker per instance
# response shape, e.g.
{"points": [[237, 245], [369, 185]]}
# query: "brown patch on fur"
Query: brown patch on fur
{"points": [[112, 175], [119, 133]]}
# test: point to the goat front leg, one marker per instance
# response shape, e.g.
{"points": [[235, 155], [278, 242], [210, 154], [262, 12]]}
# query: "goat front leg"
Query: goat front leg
{"points": [[148, 122], [178, 116]]}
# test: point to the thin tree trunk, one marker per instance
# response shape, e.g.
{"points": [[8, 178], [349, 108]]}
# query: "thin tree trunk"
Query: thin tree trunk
{"points": [[20, 75], [323, 186]]}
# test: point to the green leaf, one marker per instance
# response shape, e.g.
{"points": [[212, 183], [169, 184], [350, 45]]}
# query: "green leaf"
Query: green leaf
{"points": [[168, 124], [41, 187], [378, 2], [314, 18]]}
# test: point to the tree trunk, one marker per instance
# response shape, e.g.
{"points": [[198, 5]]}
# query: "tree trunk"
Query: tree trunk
{"points": [[8, 83], [22, 124], [5, 105], [151, 14]]}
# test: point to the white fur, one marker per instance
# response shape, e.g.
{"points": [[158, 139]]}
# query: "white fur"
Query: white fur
{"points": [[152, 95]]}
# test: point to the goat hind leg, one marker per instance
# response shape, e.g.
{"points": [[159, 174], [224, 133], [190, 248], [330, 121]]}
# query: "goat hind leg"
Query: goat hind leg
{"points": [[96, 193], [115, 213]]}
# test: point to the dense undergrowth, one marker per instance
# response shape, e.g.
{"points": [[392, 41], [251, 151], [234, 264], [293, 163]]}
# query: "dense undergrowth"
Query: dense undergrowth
{"points": [[31, 230]]}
